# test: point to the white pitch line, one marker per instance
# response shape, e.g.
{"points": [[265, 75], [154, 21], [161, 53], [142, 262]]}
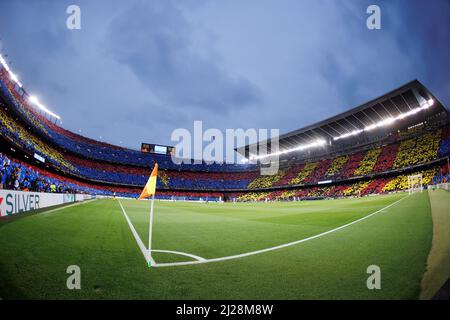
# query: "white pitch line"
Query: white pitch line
{"points": [[141, 245], [181, 254], [237, 256]]}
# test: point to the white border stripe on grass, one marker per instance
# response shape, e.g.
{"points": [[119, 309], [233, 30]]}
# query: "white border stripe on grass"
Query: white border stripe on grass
{"points": [[136, 237], [66, 206], [237, 256]]}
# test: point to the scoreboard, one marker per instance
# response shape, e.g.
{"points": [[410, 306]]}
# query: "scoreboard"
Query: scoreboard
{"points": [[155, 148]]}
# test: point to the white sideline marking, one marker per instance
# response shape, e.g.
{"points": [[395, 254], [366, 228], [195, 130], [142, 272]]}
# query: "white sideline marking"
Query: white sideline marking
{"points": [[237, 256]]}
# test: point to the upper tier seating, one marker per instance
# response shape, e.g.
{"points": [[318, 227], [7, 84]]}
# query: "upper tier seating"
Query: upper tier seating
{"points": [[167, 179], [98, 150], [319, 172], [101, 162], [401, 181], [362, 188], [418, 150], [22, 138], [353, 163], [337, 166], [290, 174]]}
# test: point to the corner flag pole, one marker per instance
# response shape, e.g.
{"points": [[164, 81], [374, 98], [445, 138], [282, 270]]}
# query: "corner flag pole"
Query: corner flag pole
{"points": [[150, 233], [150, 190]]}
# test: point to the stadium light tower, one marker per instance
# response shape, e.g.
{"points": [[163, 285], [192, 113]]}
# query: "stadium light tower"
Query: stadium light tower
{"points": [[314, 144], [12, 75], [34, 100]]}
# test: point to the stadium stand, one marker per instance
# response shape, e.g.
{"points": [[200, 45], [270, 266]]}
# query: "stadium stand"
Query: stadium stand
{"points": [[291, 172], [24, 139], [353, 163], [92, 149], [401, 182], [386, 158], [444, 146], [359, 166], [266, 181]]}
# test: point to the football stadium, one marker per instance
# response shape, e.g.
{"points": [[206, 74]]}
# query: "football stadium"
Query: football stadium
{"points": [[363, 193]]}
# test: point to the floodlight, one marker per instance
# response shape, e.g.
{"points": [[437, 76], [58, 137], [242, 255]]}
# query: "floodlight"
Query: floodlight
{"points": [[34, 100]]}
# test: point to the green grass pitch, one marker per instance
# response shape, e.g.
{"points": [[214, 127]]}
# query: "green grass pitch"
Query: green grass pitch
{"points": [[36, 250]]}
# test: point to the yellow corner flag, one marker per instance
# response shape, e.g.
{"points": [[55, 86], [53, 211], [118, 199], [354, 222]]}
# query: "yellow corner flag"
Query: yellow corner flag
{"points": [[150, 187]]}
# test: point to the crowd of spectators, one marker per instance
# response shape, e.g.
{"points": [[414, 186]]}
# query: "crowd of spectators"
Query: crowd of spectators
{"points": [[98, 150], [357, 189], [418, 150], [337, 165], [19, 176], [104, 163], [132, 175], [304, 173], [15, 175], [401, 182], [349, 168], [368, 162], [266, 181], [412, 151], [444, 148], [386, 157]]}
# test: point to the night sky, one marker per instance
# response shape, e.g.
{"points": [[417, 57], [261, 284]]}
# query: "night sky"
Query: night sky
{"points": [[137, 70]]}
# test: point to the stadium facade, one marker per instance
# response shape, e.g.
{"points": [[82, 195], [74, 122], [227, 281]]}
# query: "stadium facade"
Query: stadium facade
{"points": [[369, 149]]}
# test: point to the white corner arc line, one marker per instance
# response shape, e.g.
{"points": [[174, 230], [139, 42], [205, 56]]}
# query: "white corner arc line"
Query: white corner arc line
{"points": [[193, 256], [141, 245], [237, 256]]}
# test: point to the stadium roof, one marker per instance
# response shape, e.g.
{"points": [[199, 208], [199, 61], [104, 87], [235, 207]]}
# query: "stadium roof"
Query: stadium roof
{"points": [[407, 105]]}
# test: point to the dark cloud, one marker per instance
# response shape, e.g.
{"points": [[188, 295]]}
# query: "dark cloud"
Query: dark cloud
{"points": [[155, 41]]}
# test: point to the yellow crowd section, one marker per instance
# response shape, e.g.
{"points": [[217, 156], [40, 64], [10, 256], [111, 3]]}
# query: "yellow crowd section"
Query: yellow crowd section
{"points": [[355, 189], [253, 196], [302, 175], [368, 162], [418, 150], [401, 182], [337, 165]]}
